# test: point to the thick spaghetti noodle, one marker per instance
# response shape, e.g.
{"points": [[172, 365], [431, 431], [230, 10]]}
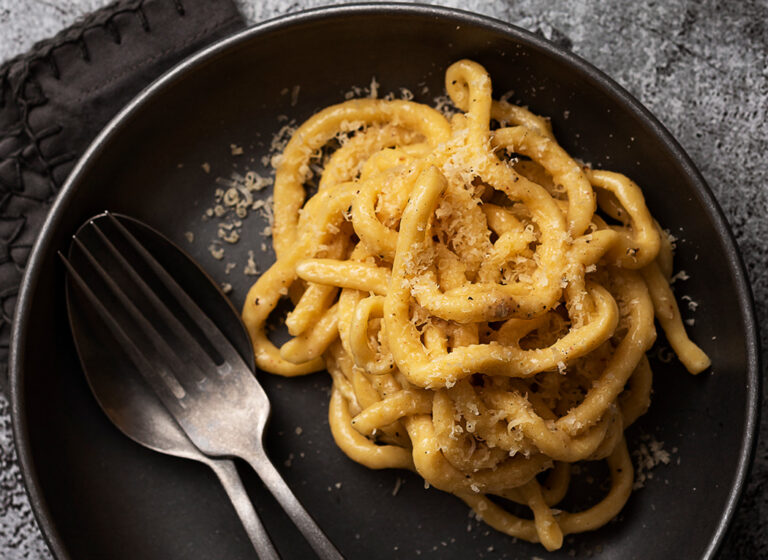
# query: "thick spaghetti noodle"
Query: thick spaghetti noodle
{"points": [[482, 301]]}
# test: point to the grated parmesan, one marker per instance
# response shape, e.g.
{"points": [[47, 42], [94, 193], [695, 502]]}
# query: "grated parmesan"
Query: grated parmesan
{"points": [[398, 483], [649, 454]]}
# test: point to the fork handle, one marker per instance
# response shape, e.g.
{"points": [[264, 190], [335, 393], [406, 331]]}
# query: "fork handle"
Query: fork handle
{"points": [[320, 543], [230, 480]]}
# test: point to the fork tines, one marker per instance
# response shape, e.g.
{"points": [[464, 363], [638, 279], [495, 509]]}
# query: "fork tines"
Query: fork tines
{"points": [[172, 342]]}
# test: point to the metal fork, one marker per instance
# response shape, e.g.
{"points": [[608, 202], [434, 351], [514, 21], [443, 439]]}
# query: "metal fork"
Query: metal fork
{"points": [[217, 400]]}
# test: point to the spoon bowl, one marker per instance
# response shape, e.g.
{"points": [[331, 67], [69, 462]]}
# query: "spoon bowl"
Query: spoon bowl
{"points": [[122, 393]]}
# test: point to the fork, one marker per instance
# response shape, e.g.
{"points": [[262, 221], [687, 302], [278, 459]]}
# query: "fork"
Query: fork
{"points": [[203, 382]]}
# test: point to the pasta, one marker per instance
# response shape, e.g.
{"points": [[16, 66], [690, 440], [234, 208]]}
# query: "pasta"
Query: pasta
{"points": [[482, 301]]}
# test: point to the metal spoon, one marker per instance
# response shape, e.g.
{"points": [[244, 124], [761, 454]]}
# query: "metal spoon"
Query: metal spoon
{"points": [[133, 406]]}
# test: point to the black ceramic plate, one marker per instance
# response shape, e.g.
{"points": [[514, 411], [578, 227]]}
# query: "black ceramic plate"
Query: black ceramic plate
{"points": [[99, 495]]}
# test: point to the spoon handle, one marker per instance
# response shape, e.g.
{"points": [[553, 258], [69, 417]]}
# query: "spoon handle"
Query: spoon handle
{"points": [[230, 480], [319, 542]]}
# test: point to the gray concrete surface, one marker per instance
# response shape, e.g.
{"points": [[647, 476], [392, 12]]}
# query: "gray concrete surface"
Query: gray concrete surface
{"points": [[700, 66]]}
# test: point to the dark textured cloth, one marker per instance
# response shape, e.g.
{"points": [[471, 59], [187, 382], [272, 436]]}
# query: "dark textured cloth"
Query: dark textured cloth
{"points": [[56, 98]]}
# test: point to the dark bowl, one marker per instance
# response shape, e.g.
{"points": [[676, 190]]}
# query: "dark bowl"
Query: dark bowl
{"points": [[97, 494]]}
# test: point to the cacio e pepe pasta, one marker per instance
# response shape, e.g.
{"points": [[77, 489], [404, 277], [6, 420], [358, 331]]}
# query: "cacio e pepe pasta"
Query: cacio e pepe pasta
{"points": [[482, 301]]}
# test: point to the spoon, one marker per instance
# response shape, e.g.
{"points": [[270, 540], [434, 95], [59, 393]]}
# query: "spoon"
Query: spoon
{"points": [[133, 406]]}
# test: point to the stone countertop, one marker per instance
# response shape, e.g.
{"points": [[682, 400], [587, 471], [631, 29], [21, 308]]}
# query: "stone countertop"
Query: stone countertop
{"points": [[699, 66]]}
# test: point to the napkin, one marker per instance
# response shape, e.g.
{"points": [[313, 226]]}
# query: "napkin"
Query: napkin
{"points": [[56, 98]]}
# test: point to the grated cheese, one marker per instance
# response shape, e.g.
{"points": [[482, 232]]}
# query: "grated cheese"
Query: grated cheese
{"points": [[250, 268], [682, 275], [649, 454]]}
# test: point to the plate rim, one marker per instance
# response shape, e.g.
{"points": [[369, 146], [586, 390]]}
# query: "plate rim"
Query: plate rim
{"points": [[703, 192]]}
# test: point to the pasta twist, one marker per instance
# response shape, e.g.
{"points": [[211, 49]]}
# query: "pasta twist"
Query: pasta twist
{"points": [[482, 320]]}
